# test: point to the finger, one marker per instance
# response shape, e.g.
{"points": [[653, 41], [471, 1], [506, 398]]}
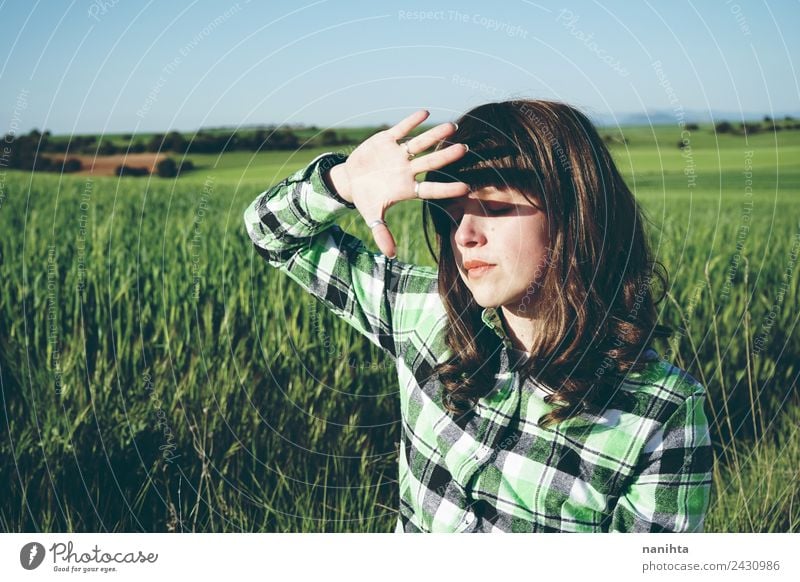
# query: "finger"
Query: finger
{"points": [[431, 137], [384, 239], [436, 190], [403, 128], [436, 160]]}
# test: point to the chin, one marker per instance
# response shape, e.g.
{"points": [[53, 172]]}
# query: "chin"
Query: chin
{"points": [[486, 299], [482, 303]]}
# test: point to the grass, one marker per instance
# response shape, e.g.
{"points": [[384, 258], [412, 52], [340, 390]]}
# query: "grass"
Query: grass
{"points": [[158, 376]]}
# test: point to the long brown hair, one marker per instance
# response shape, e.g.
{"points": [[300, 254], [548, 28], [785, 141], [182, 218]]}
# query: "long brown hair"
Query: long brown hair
{"points": [[598, 279]]}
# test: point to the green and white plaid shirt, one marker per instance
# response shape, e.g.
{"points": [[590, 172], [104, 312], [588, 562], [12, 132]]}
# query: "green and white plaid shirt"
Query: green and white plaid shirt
{"points": [[645, 467]]}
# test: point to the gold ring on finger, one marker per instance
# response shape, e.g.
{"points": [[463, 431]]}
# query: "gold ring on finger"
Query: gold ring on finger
{"points": [[408, 152]]}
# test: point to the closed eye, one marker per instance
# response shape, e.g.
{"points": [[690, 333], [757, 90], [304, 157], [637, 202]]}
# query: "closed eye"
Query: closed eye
{"points": [[498, 209], [456, 213]]}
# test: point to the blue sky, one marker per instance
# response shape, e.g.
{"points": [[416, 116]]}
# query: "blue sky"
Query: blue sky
{"points": [[125, 66]]}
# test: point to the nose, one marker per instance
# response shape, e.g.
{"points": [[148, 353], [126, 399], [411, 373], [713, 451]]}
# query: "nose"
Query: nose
{"points": [[470, 232]]}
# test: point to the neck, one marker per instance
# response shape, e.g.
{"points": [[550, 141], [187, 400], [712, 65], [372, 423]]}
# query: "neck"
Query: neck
{"points": [[521, 326]]}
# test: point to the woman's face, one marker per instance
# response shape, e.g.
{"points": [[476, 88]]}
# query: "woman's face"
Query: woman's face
{"points": [[505, 230]]}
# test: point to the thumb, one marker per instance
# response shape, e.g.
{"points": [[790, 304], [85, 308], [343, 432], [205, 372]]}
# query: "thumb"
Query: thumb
{"points": [[383, 238]]}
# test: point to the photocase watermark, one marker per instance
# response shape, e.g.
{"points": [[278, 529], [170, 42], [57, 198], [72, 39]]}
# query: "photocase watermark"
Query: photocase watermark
{"points": [[744, 224], [197, 236], [736, 10], [475, 85], [682, 331], [5, 159], [689, 168], [67, 560], [167, 449], [31, 555], [760, 342], [171, 67], [83, 222], [643, 293], [66, 554], [511, 30], [20, 105], [536, 282], [52, 316], [569, 20], [558, 148], [100, 7]]}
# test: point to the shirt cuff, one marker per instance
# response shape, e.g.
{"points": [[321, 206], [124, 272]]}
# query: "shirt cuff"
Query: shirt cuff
{"points": [[320, 201]]}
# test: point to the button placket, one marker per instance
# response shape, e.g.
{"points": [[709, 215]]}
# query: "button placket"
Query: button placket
{"points": [[466, 521], [474, 460], [481, 452]]}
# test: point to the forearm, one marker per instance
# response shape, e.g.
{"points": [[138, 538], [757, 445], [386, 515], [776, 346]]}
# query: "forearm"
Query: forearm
{"points": [[292, 227], [295, 209]]}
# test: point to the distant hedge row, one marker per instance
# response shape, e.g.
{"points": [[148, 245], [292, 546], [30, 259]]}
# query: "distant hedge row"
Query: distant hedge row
{"points": [[202, 142], [166, 168]]}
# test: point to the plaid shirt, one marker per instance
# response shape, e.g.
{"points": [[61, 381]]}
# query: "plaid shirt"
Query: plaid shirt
{"points": [[642, 467]]}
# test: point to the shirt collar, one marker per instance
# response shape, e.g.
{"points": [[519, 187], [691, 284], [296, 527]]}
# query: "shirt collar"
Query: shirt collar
{"points": [[510, 358], [491, 318]]}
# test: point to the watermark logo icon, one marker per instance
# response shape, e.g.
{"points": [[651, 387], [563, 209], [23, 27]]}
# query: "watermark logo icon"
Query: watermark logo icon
{"points": [[31, 555]]}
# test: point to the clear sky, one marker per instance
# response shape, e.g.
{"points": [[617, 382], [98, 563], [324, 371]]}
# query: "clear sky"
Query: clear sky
{"points": [[125, 65]]}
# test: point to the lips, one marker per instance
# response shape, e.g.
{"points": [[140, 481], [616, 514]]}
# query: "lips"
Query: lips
{"points": [[476, 269], [474, 264]]}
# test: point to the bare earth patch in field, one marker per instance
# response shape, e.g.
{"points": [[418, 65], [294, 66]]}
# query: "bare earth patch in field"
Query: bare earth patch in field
{"points": [[107, 165]]}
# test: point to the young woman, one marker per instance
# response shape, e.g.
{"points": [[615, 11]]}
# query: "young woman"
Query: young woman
{"points": [[532, 398]]}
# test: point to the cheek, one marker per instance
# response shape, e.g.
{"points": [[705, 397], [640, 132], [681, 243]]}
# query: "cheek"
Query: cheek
{"points": [[525, 244], [524, 236]]}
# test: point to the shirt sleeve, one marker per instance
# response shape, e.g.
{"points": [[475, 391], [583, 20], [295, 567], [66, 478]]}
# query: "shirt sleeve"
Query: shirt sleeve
{"points": [[671, 489], [291, 226]]}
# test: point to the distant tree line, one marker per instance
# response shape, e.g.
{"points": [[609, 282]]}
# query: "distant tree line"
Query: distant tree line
{"points": [[202, 142], [768, 124], [166, 168], [259, 140], [29, 152], [213, 143], [25, 152]]}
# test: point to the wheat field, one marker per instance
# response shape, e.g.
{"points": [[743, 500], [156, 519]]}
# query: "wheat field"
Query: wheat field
{"points": [[157, 375]]}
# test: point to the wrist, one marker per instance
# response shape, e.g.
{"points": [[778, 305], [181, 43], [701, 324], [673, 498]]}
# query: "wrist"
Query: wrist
{"points": [[338, 180]]}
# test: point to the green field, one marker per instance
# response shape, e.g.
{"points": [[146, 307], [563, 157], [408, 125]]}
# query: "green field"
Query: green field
{"points": [[157, 375]]}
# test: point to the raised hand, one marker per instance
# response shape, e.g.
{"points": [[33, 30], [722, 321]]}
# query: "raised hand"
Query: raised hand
{"points": [[381, 172]]}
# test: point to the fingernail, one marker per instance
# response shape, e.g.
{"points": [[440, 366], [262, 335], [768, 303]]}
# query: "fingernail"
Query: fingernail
{"points": [[466, 147], [393, 257], [456, 125]]}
